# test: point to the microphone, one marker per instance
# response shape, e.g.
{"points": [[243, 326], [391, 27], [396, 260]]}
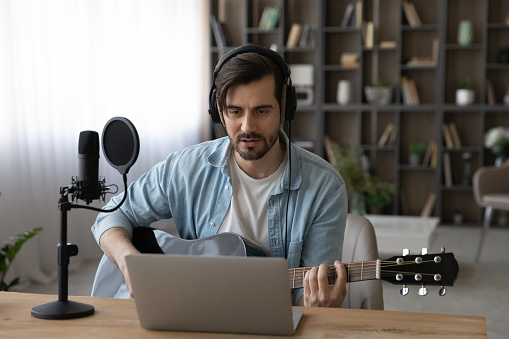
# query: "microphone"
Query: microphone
{"points": [[89, 186], [121, 146]]}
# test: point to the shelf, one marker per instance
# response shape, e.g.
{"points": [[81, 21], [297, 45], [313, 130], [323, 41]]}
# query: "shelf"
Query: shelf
{"points": [[363, 123]]}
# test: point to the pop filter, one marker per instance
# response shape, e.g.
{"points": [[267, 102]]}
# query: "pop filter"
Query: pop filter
{"points": [[121, 144]]}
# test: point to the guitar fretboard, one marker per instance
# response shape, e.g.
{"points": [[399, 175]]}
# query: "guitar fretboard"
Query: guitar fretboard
{"points": [[358, 271]]}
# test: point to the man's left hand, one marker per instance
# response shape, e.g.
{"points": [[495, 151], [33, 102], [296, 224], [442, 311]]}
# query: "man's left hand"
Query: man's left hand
{"points": [[318, 292]]}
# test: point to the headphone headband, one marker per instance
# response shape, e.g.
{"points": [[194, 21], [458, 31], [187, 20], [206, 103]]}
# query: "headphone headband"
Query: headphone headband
{"points": [[289, 98], [274, 56]]}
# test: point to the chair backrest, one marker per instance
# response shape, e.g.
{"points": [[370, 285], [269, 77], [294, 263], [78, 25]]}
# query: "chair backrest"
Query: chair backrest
{"points": [[489, 180], [360, 245]]}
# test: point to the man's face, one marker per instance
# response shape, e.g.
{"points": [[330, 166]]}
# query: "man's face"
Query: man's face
{"points": [[252, 118]]}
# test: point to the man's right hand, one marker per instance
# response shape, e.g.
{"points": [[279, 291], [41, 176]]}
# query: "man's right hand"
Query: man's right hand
{"points": [[116, 243]]}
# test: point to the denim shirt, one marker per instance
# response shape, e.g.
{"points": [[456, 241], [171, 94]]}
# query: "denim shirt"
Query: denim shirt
{"points": [[193, 187]]}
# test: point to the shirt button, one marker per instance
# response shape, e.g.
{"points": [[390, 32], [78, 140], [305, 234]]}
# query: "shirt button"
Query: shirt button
{"points": [[226, 187], [212, 224]]}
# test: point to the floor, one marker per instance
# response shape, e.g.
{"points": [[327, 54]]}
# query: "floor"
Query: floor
{"points": [[480, 289]]}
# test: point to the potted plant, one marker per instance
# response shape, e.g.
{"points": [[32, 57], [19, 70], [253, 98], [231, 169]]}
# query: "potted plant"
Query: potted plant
{"points": [[378, 194], [379, 93], [364, 189], [415, 149], [497, 140], [465, 94], [457, 217]]}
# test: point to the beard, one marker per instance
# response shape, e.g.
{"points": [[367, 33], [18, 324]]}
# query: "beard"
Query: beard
{"points": [[251, 154]]}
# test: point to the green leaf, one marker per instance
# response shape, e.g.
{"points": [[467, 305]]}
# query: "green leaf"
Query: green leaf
{"points": [[8, 253], [19, 241]]}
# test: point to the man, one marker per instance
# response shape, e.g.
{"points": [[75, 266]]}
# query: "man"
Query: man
{"points": [[244, 183]]}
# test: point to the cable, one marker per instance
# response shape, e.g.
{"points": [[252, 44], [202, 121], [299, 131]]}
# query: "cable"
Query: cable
{"points": [[289, 184]]}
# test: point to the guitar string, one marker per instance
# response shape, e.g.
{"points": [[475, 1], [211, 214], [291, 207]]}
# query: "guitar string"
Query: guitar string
{"points": [[354, 270]]}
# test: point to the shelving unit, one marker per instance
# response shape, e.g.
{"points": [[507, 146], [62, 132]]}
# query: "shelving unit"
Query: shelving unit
{"points": [[362, 123]]}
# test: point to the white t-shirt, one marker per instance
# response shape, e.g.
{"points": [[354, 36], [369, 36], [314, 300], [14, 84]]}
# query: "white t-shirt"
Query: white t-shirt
{"points": [[247, 213]]}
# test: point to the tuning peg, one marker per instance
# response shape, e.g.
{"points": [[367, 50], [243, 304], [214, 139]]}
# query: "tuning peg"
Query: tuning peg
{"points": [[406, 251], [423, 290], [424, 251], [442, 291], [404, 290], [442, 249]]}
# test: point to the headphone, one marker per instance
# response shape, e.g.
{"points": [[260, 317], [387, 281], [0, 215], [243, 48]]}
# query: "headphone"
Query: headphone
{"points": [[289, 98]]}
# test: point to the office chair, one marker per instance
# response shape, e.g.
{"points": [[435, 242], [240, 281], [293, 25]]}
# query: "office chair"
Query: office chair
{"points": [[360, 245], [491, 191]]}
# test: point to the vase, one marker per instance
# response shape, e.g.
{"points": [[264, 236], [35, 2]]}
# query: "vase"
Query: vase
{"points": [[500, 160], [344, 92], [381, 95], [465, 33], [357, 204], [465, 97]]}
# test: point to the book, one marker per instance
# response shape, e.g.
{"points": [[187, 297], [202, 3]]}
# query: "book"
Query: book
{"points": [[304, 38], [411, 14], [349, 59], [428, 206], [434, 151], [405, 91], [294, 35], [269, 18], [216, 30], [358, 14], [393, 136], [364, 32], [274, 17], [454, 135], [385, 135], [327, 142], [347, 17], [413, 92], [388, 44], [264, 18], [447, 136], [426, 159], [369, 34], [447, 170], [420, 61], [434, 51], [490, 92]]}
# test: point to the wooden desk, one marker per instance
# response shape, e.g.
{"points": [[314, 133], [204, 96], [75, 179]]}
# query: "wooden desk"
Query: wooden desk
{"points": [[117, 318]]}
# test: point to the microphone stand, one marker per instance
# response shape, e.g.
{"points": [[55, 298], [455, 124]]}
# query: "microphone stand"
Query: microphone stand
{"points": [[63, 308]]}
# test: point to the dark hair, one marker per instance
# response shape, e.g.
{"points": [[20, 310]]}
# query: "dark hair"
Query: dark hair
{"points": [[244, 69]]}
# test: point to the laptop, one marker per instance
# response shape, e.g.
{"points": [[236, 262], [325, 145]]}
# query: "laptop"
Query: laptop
{"points": [[248, 295]]}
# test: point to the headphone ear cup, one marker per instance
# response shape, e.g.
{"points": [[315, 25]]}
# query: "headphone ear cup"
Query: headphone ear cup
{"points": [[291, 103], [213, 110]]}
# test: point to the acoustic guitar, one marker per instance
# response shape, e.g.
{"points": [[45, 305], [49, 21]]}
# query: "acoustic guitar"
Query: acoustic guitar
{"points": [[439, 269]]}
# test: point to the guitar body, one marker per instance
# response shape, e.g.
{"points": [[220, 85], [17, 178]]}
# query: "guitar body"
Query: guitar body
{"points": [[109, 280]]}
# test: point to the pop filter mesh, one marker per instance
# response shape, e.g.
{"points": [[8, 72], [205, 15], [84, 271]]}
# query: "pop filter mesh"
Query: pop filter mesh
{"points": [[119, 144]]}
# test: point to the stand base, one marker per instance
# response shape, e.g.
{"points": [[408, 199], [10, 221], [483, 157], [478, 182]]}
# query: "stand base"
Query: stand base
{"points": [[62, 310]]}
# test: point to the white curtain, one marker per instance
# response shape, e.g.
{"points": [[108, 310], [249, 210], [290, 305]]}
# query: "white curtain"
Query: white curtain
{"points": [[69, 66]]}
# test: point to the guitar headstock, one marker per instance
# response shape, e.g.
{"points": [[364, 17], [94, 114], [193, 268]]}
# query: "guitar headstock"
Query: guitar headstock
{"points": [[424, 269]]}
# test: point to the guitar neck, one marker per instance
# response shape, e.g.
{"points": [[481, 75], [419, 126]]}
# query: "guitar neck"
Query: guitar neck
{"points": [[358, 271]]}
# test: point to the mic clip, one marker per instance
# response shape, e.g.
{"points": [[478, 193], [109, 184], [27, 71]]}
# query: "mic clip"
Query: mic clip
{"points": [[88, 192]]}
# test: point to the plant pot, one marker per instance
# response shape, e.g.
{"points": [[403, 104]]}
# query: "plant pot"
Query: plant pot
{"points": [[465, 97], [379, 95], [414, 159], [457, 218]]}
